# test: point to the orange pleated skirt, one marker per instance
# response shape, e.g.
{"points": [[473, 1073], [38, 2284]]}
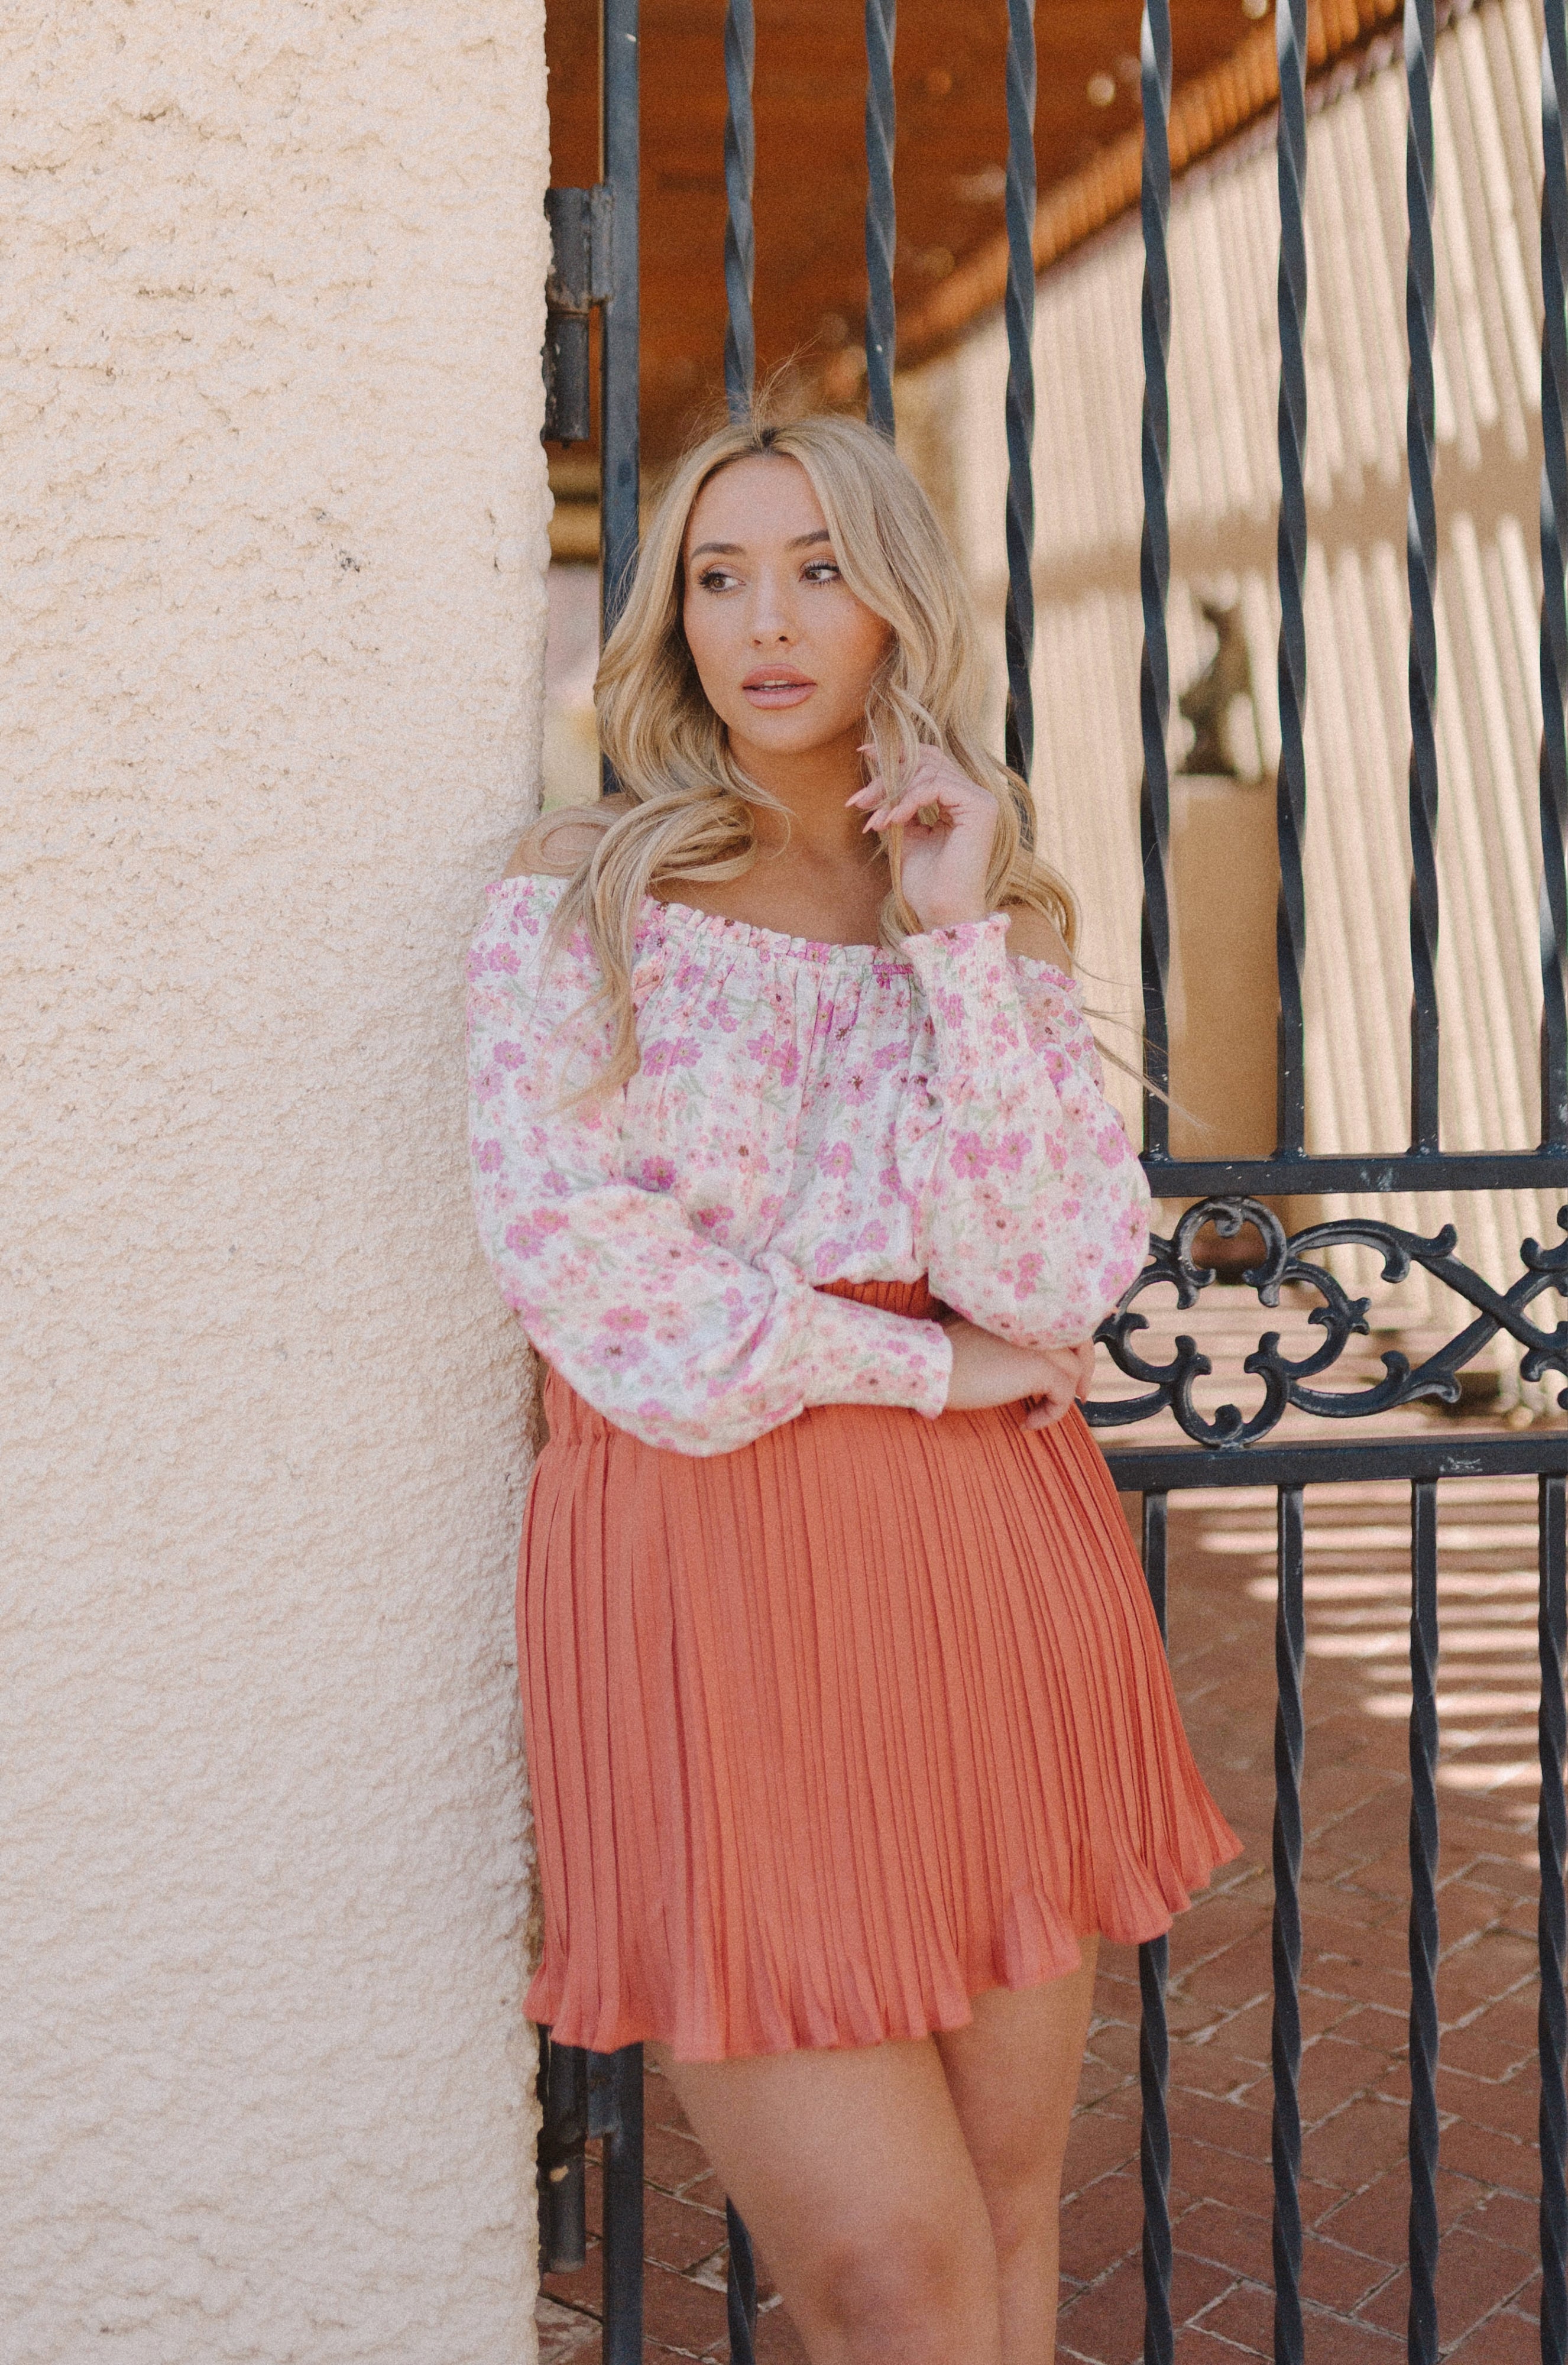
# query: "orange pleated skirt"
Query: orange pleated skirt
{"points": [[830, 1734]]}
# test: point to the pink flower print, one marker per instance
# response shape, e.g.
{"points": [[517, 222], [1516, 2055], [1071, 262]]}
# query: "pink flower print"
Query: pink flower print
{"points": [[855, 1084], [837, 1159], [951, 1005], [624, 1319], [657, 1175], [659, 1057], [968, 1157], [488, 1156], [1058, 1066], [510, 1054], [887, 1057], [712, 1219], [505, 957], [1030, 1267], [528, 1235], [1010, 1151], [873, 1236]]}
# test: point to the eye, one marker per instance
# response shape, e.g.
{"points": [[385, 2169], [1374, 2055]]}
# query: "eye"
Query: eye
{"points": [[714, 578], [822, 571]]}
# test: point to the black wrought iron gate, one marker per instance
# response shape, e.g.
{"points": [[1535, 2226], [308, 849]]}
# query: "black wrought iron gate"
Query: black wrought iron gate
{"points": [[595, 235]]}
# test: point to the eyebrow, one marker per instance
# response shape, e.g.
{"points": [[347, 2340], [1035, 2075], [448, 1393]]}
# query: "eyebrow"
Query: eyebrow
{"points": [[733, 549]]}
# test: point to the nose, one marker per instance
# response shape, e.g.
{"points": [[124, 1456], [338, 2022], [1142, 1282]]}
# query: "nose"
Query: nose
{"points": [[772, 616]]}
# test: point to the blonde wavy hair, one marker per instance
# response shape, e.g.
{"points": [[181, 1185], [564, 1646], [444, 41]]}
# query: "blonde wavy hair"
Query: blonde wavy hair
{"points": [[690, 810]]}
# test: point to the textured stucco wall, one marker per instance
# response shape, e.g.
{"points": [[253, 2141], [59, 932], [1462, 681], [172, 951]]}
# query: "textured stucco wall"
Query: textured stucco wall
{"points": [[271, 630]]}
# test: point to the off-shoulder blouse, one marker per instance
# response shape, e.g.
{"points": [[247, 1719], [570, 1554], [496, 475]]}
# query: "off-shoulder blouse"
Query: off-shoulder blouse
{"points": [[803, 1113]]}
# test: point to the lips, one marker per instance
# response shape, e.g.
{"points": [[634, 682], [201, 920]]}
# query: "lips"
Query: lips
{"points": [[770, 686]]}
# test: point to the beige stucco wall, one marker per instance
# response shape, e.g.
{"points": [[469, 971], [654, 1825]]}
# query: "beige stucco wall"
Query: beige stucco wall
{"points": [[271, 632]]}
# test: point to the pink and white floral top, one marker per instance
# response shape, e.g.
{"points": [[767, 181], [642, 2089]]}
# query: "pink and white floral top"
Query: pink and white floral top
{"points": [[803, 1113]]}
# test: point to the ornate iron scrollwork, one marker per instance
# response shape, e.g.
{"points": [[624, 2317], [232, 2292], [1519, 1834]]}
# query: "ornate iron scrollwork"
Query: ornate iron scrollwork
{"points": [[1290, 1259]]}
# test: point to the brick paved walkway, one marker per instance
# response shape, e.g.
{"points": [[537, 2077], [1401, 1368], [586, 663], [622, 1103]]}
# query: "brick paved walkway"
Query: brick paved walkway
{"points": [[1355, 1894]]}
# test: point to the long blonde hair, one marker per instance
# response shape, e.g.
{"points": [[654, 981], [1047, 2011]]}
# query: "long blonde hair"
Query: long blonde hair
{"points": [[691, 809]]}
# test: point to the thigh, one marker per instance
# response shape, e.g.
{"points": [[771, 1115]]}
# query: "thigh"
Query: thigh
{"points": [[1013, 2074], [851, 2169]]}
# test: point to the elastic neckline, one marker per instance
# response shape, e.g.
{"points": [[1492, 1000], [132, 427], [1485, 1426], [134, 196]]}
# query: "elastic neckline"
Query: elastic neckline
{"points": [[773, 943]]}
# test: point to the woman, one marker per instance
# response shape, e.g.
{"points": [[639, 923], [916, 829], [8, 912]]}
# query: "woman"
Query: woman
{"points": [[849, 1723]]}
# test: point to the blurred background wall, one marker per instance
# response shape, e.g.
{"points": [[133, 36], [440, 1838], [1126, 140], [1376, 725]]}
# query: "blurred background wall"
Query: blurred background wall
{"points": [[270, 683]]}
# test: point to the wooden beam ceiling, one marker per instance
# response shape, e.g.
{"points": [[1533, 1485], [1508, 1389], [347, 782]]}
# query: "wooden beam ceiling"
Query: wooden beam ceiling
{"points": [[811, 174], [809, 157]]}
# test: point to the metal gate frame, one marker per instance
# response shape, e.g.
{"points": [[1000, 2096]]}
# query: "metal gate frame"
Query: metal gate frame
{"points": [[595, 266]]}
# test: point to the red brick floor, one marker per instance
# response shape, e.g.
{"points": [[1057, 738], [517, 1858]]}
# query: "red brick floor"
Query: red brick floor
{"points": [[1355, 1897]]}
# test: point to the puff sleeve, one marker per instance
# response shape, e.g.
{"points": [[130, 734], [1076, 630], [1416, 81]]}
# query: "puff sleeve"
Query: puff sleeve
{"points": [[1035, 1206], [664, 1332]]}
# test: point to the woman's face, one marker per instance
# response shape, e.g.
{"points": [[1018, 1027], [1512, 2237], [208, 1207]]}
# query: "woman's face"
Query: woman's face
{"points": [[784, 650]]}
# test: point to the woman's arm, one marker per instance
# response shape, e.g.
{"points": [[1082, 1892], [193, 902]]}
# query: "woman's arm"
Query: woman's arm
{"points": [[665, 1333], [1035, 1206]]}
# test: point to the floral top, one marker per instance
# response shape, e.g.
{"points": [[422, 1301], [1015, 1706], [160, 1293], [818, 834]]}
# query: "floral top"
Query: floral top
{"points": [[803, 1113]]}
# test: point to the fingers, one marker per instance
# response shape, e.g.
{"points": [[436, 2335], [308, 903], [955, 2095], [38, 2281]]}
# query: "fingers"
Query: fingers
{"points": [[1047, 1409], [932, 781], [1069, 1380]]}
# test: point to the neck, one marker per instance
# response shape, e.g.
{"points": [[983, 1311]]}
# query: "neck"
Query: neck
{"points": [[815, 785]]}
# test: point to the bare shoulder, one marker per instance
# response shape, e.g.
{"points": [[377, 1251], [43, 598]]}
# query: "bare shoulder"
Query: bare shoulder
{"points": [[560, 840], [1036, 938]]}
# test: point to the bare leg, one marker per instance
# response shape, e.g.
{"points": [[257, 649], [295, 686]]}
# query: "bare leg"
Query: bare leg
{"points": [[1012, 2075], [851, 2169]]}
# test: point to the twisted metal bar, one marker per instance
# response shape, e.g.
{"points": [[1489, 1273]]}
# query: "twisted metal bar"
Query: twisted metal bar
{"points": [[740, 2295], [1290, 1647], [740, 173], [1154, 572], [1154, 2046], [1553, 606], [615, 2112], [618, 332], [1552, 1841], [1019, 310], [1290, 29], [1421, 2328], [1421, 567], [882, 219]]}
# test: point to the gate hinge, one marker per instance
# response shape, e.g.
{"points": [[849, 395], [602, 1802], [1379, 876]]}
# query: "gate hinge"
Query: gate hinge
{"points": [[580, 223]]}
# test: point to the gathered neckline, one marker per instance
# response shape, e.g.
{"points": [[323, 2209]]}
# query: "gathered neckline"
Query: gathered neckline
{"points": [[775, 943]]}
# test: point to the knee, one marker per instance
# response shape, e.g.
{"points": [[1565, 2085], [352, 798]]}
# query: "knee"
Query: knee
{"points": [[920, 2292]]}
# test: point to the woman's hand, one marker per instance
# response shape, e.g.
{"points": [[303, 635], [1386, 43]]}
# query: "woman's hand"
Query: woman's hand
{"points": [[989, 1370], [944, 860]]}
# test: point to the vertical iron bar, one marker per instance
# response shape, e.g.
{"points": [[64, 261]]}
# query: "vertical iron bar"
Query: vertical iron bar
{"points": [[1421, 2328], [1019, 308], [1553, 607], [562, 2089], [740, 173], [1154, 573], [617, 328], [881, 221], [620, 2124], [1154, 2044], [1552, 1841], [740, 2296], [1290, 31], [1290, 1645], [1421, 567]]}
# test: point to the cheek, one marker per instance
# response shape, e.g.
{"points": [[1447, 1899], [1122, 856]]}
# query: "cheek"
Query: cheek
{"points": [[702, 639]]}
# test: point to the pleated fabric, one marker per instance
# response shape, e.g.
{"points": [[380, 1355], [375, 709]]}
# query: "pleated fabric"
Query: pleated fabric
{"points": [[830, 1734]]}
